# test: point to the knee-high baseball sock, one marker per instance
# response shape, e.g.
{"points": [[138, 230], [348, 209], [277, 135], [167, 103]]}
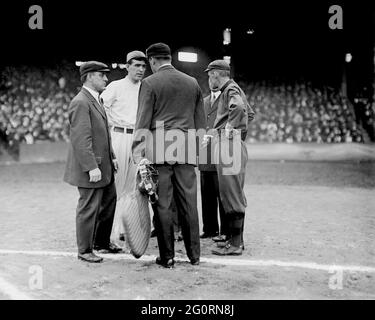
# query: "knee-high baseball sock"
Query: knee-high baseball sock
{"points": [[236, 229]]}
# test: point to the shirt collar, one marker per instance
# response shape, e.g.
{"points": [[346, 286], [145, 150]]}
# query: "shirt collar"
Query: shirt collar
{"points": [[131, 82], [93, 92], [216, 93], [165, 64], [226, 84]]}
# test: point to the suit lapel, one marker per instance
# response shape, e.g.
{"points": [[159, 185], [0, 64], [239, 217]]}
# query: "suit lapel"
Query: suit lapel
{"points": [[95, 103], [214, 106], [206, 105]]}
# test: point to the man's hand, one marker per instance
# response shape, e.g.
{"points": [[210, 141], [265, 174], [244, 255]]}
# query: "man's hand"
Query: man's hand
{"points": [[144, 161], [95, 175], [115, 164], [206, 139], [230, 131]]}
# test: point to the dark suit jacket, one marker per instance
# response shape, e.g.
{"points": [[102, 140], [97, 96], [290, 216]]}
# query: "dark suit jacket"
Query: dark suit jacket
{"points": [[176, 99], [90, 143], [205, 159]]}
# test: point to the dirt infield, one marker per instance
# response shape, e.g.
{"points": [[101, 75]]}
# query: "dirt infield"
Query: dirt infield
{"points": [[298, 212]]}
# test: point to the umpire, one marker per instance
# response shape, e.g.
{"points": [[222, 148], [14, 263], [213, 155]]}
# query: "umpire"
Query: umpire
{"points": [[208, 178], [231, 123], [171, 104], [91, 165]]}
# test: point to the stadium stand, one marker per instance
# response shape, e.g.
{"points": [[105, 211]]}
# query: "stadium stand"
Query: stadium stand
{"points": [[301, 113], [34, 104]]}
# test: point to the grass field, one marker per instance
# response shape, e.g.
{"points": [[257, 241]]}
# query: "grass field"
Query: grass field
{"points": [[303, 218]]}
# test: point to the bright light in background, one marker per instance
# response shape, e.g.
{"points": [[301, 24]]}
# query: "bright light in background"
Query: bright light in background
{"points": [[250, 31], [348, 57], [226, 36], [187, 56], [79, 63], [121, 66], [114, 65], [227, 59]]}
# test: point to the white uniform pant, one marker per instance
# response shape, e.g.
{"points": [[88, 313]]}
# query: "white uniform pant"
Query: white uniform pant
{"points": [[124, 178]]}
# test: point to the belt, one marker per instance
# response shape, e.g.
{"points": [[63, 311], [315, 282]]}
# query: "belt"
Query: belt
{"points": [[123, 130]]}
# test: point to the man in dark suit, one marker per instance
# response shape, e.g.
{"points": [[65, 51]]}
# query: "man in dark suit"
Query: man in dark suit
{"points": [[170, 109], [91, 165], [208, 178], [231, 124]]}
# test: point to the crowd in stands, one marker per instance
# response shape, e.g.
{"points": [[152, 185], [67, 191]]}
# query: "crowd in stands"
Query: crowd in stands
{"points": [[34, 106], [34, 103], [365, 112], [300, 113]]}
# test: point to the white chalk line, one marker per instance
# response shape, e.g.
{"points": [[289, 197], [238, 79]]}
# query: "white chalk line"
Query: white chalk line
{"points": [[229, 261], [11, 291]]}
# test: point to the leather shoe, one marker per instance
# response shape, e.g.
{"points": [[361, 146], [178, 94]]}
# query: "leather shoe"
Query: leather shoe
{"points": [[89, 257], [223, 244], [220, 238], [194, 262], [112, 248], [166, 264], [228, 250]]}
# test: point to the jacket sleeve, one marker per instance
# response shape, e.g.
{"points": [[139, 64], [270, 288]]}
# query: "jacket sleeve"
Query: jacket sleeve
{"points": [[81, 134], [146, 100], [250, 113], [113, 155], [237, 108], [199, 114]]}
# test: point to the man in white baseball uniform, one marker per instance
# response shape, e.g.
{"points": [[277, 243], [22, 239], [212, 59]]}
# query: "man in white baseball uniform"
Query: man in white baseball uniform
{"points": [[120, 100]]}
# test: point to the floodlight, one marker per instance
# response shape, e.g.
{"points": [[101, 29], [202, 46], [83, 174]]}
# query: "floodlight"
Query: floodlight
{"points": [[187, 56], [226, 36]]}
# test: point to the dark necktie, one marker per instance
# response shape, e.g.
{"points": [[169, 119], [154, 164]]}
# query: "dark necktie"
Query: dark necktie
{"points": [[212, 99], [101, 103]]}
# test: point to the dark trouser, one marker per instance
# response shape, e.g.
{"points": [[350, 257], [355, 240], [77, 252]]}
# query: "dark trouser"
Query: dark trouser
{"points": [[179, 182], [176, 220], [210, 201], [231, 185], [95, 212]]}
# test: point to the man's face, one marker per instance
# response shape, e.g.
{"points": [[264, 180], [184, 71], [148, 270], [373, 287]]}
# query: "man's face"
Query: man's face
{"points": [[213, 87], [99, 81], [136, 70], [213, 81]]}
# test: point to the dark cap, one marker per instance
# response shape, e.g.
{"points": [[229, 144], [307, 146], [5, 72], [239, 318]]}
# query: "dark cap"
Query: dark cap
{"points": [[158, 50], [218, 65], [135, 55], [93, 66]]}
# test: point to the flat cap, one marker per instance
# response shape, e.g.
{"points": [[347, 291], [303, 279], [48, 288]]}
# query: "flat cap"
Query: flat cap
{"points": [[158, 50], [93, 66], [135, 55], [218, 65]]}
